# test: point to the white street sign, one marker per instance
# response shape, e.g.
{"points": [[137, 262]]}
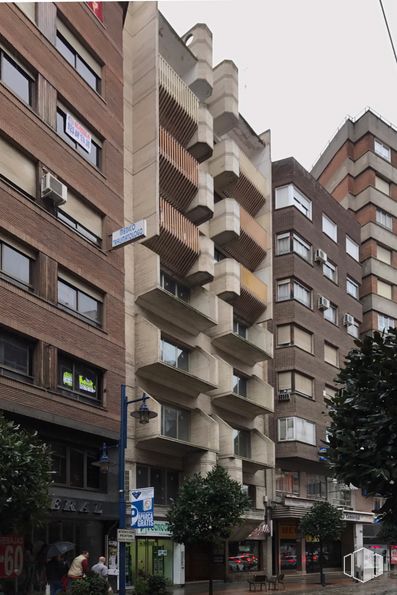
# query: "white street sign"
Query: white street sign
{"points": [[129, 234], [125, 535]]}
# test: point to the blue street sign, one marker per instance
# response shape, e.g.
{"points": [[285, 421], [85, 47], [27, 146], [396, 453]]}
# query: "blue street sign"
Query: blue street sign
{"points": [[142, 508], [323, 449]]}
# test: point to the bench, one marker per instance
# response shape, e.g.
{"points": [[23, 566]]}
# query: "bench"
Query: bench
{"points": [[257, 580]]}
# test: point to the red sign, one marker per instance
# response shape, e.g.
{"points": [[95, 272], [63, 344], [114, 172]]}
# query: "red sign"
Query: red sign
{"points": [[97, 9], [393, 554], [11, 556]]}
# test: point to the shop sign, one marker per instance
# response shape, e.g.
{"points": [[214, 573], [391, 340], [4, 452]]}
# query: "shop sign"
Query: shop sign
{"points": [[357, 517], [159, 529], [393, 554], [131, 233], [125, 535], [70, 505], [11, 556], [142, 507], [288, 531], [78, 133], [97, 9], [86, 384]]}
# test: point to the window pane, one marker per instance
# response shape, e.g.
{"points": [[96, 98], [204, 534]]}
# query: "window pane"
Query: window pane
{"points": [[15, 354], [169, 422], [172, 485], [168, 283], [382, 150], [15, 264], [302, 339], [142, 476], [329, 270], [89, 307], [352, 248], [86, 73], [93, 473], [330, 314], [12, 76], [183, 425], [168, 353], [240, 329], [384, 219], [330, 354], [183, 292], [67, 295], [65, 374], [384, 289], [284, 334], [239, 385], [61, 120], [301, 247], [86, 381], [287, 482], [329, 228], [382, 185], [58, 458], [157, 481], [351, 287], [283, 290], [283, 243], [76, 468], [183, 359], [284, 380], [303, 384], [385, 322], [64, 48], [301, 294]]}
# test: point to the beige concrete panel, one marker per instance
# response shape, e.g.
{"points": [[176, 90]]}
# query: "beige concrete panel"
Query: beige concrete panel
{"points": [[223, 102], [226, 283], [373, 266], [380, 304], [381, 235], [224, 165], [202, 206], [200, 80], [224, 226], [202, 270], [201, 145]]}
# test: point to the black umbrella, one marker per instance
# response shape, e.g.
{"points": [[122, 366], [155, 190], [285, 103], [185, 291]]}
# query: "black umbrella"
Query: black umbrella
{"points": [[59, 548]]}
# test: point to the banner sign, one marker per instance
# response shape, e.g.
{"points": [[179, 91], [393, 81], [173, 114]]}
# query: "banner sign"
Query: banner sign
{"points": [[129, 234], [97, 9], [78, 133], [142, 507], [11, 556], [393, 554]]}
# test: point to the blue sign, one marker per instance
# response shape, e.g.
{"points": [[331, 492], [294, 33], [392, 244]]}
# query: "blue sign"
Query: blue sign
{"points": [[129, 234], [323, 449], [142, 508]]}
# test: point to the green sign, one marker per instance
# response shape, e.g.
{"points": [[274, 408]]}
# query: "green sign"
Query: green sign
{"points": [[159, 529], [67, 379], [86, 384]]}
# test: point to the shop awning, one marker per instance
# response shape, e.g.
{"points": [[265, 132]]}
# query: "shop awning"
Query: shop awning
{"points": [[260, 532]]}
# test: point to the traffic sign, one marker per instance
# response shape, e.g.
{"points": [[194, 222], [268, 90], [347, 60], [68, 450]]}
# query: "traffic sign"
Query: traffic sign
{"points": [[125, 535]]}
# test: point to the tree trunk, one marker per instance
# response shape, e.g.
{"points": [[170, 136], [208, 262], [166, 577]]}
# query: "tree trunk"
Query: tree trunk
{"points": [[321, 561], [210, 582]]}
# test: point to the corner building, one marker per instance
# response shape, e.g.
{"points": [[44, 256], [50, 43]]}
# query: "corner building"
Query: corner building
{"points": [[61, 294], [317, 314], [198, 289]]}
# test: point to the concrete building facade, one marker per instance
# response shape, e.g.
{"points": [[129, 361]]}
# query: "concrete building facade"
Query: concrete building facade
{"points": [[198, 288]]}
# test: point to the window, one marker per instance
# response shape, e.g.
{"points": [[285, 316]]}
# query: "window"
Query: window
{"points": [[78, 57], [80, 216], [16, 356], [383, 254], [177, 289], [72, 467], [382, 185], [330, 391], [174, 356], [292, 242], [353, 329], [331, 355], [352, 248], [352, 288], [384, 289], [240, 329], [382, 150], [296, 382], [164, 481], [385, 322], [384, 219], [80, 301], [290, 289], [329, 228], [331, 314], [330, 271], [287, 482], [290, 334], [175, 423], [15, 265], [316, 486], [240, 384], [78, 378], [94, 155], [250, 491], [296, 428], [17, 169], [16, 77], [290, 196], [242, 443]]}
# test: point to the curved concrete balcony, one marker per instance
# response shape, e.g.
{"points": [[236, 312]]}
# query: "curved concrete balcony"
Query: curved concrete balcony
{"points": [[223, 102], [203, 435], [252, 301], [194, 316], [259, 398], [226, 283], [202, 206], [201, 145], [202, 271], [225, 224], [251, 187], [224, 165], [201, 374], [256, 346]]}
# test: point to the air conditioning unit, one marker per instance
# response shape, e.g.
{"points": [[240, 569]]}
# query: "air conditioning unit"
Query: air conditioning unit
{"points": [[320, 256], [323, 303], [53, 189], [284, 394], [348, 319]]}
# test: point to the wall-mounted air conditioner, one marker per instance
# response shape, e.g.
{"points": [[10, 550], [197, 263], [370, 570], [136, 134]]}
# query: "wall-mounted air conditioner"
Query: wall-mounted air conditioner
{"points": [[53, 189], [323, 303], [348, 319], [320, 256]]}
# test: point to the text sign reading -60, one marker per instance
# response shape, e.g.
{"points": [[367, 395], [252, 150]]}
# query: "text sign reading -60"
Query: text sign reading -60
{"points": [[11, 556]]}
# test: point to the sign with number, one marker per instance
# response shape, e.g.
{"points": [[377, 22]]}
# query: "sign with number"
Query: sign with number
{"points": [[78, 133], [142, 507], [11, 556]]}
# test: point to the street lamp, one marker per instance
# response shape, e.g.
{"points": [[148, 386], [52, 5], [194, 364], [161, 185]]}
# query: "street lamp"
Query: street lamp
{"points": [[144, 415]]}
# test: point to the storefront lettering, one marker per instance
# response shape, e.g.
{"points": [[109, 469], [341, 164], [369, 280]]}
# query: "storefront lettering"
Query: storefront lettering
{"points": [[81, 506]]}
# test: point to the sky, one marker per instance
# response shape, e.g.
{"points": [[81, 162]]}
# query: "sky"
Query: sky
{"points": [[304, 65]]}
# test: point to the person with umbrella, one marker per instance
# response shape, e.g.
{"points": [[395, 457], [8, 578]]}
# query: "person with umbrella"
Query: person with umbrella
{"points": [[56, 569]]}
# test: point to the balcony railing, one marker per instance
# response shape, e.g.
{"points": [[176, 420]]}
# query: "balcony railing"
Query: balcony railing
{"points": [[250, 190]]}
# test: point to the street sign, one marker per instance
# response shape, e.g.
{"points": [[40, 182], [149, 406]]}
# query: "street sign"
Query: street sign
{"points": [[125, 535], [323, 449], [129, 234], [142, 507]]}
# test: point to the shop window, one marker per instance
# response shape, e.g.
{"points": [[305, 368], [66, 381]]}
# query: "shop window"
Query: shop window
{"points": [[78, 57], [16, 356], [243, 556], [16, 78], [164, 481], [72, 467], [240, 384], [287, 482], [174, 356], [73, 298], [175, 423], [174, 287], [242, 443], [91, 151], [78, 379]]}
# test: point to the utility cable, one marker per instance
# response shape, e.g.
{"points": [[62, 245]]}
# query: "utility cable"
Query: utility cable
{"points": [[388, 30]]}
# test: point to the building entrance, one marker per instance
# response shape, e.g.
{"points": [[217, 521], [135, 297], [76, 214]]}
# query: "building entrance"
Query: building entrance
{"points": [[151, 555]]}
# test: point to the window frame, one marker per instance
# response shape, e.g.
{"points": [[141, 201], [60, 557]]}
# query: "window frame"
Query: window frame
{"points": [[183, 350], [355, 325], [329, 265], [237, 379], [10, 278], [355, 284], [325, 220], [384, 328], [293, 477], [80, 395], [293, 284], [238, 446], [98, 80], [16, 341], [384, 151], [354, 245], [30, 79], [182, 435], [240, 328], [293, 237], [383, 218], [293, 390], [333, 308], [60, 111], [336, 350], [98, 323], [166, 500], [294, 437], [179, 290], [292, 343], [87, 454], [295, 198]]}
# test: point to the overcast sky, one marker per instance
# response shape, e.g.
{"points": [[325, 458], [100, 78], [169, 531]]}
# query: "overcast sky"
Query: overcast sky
{"points": [[303, 64]]}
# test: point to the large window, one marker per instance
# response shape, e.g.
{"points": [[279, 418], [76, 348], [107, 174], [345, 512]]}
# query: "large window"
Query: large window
{"points": [[164, 481], [330, 228], [74, 298], [72, 467], [240, 384], [16, 77], [292, 242], [175, 422], [316, 486], [290, 334], [384, 219], [242, 443], [331, 314], [78, 57], [296, 428], [352, 287], [287, 482], [293, 381], [79, 379], [15, 356], [15, 265], [93, 155], [382, 150], [330, 271], [290, 196], [174, 356], [177, 289], [352, 249], [385, 322], [331, 354], [290, 289]]}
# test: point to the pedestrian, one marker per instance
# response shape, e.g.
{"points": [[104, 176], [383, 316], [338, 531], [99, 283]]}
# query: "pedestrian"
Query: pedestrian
{"points": [[56, 569], [78, 567], [100, 567]]}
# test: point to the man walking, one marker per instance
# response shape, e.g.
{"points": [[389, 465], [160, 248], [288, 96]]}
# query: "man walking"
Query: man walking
{"points": [[78, 567], [100, 567]]}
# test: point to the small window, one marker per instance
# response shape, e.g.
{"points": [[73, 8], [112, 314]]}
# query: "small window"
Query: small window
{"points": [[240, 329], [284, 335], [296, 428], [331, 355], [174, 287], [174, 356], [242, 443], [384, 219], [240, 384], [95, 151], [15, 265], [353, 329], [303, 385], [288, 289], [384, 289], [330, 391], [78, 57], [290, 196], [383, 254], [385, 322], [292, 242], [352, 288], [78, 378], [382, 150], [330, 271], [17, 169], [330, 228], [302, 339], [382, 185], [16, 78], [15, 356], [82, 303], [352, 248], [175, 423], [331, 314]]}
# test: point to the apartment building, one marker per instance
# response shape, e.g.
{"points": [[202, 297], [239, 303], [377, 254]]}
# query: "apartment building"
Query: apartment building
{"points": [[358, 167], [198, 289], [61, 293], [317, 313]]}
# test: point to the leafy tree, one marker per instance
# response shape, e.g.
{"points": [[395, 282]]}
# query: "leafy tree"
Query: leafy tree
{"points": [[206, 510], [324, 523], [25, 465], [363, 431]]}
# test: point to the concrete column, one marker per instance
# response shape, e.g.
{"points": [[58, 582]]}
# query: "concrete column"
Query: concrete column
{"points": [[358, 535]]}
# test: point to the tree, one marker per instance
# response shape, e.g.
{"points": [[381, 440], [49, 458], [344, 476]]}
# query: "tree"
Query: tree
{"points": [[324, 523], [206, 510], [25, 466], [363, 431]]}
